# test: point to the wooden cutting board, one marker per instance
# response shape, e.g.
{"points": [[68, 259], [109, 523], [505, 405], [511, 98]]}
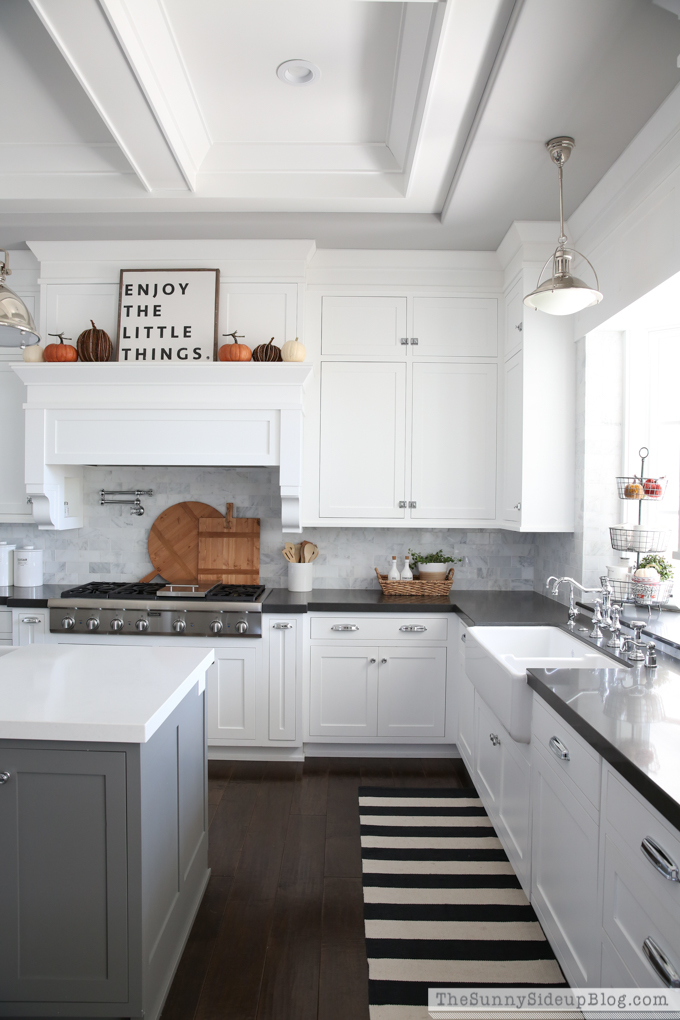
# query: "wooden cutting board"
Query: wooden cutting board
{"points": [[173, 541], [229, 549]]}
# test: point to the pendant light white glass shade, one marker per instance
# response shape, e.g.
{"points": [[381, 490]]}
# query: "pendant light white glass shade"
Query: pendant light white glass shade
{"points": [[17, 328]]}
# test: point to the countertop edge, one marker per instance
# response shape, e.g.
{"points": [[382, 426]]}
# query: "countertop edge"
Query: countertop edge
{"points": [[645, 786]]}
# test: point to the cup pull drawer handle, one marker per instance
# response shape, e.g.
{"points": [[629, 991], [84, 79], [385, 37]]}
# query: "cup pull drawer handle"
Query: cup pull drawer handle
{"points": [[31, 619], [661, 964], [344, 626], [559, 749], [282, 626], [657, 856], [413, 628]]}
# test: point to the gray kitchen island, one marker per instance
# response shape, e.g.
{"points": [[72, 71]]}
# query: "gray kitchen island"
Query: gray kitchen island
{"points": [[103, 826]]}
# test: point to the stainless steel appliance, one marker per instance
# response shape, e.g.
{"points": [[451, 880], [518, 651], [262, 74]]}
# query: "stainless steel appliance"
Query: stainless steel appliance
{"points": [[176, 610]]}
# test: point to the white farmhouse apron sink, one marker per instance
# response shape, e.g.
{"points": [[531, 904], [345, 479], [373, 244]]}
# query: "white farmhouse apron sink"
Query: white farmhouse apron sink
{"points": [[497, 660]]}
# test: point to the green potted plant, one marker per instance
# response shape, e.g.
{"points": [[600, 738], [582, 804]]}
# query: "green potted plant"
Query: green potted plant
{"points": [[432, 566]]}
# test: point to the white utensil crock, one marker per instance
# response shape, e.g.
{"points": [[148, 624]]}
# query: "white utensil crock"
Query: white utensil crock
{"points": [[300, 576], [28, 567], [6, 564]]}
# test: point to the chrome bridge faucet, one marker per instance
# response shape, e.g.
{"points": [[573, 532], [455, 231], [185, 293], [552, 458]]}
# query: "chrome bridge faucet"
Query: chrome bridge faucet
{"points": [[600, 604]]}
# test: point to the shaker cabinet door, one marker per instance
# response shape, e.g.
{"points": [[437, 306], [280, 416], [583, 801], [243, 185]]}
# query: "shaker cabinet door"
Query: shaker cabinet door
{"points": [[13, 505], [343, 692], [512, 440], [412, 692], [454, 441], [363, 325], [363, 435], [455, 327], [282, 679], [232, 700]]}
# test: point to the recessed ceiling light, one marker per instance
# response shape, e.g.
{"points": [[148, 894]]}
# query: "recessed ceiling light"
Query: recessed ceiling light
{"points": [[298, 72]]}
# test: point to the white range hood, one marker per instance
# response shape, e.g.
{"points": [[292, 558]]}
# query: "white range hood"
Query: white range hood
{"points": [[232, 414]]}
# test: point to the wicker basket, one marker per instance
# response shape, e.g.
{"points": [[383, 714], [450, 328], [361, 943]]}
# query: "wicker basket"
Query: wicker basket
{"points": [[416, 589]]}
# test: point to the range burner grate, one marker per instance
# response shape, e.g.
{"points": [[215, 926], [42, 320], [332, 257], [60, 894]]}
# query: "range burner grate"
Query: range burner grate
{"points": [[113, 590], [235, 593]]}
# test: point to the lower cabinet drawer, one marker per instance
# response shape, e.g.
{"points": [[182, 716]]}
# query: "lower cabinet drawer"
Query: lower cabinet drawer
{"points": [[367, 628], [633, 919], [555, 737], [636, 822]]}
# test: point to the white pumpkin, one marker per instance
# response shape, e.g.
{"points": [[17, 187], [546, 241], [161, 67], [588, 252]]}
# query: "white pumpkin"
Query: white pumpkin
{"points": [[293, 351], [33, 353], [647, 573]]}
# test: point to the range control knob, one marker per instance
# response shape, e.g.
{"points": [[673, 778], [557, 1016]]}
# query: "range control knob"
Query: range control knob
{"points": [[142, 625], [68, 623], [179, 626], [116, 624], [241, 627], [216, 627], [92, 623]]}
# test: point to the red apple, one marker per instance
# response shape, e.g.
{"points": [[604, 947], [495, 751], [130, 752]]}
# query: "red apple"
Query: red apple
{"points": [[652, 488]]}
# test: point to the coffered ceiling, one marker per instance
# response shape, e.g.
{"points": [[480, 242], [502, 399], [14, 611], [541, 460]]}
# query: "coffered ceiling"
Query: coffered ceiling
{"points": [[424, 128]]}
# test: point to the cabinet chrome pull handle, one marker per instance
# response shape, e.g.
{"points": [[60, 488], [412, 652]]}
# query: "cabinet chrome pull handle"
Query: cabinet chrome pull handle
{"points": [[31, 619], [282, 626], [414, 341], [559, 749], [413, 628], [4, 776], [372, 661], [344, 626], [661, 964], [403, 340], [412, 504], [657, 856]]}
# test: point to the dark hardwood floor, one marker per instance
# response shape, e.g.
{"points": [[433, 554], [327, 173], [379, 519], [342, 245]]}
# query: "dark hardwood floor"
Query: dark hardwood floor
{"points": [[280, 932]]}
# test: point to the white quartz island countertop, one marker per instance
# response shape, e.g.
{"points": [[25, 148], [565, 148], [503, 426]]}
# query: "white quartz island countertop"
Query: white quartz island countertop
{"points": [[97, 693]]}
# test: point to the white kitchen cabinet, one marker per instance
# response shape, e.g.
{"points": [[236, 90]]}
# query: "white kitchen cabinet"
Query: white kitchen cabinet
{"points": [[258, 311], [539, 419], [412, 692], [14, 505], [363, 437], [465, 696], [343, 691], [564, 870], [282, 679], [232, 694], [488, 758], [30, 626], [454, 410], [454, 327], [363, 325]]}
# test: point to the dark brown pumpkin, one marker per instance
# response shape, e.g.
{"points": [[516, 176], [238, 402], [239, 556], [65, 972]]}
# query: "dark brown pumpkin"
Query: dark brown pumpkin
{"points": [[94, 345], [267, 352]]}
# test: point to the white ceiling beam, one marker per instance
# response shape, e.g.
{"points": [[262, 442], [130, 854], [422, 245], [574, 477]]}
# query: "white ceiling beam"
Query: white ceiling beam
{"points": [[86, 41], [498, 42], [146, 36]]}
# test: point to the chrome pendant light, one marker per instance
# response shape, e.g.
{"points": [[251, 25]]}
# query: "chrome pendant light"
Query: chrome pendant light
{"points": [[562, 294], [17, 328]]}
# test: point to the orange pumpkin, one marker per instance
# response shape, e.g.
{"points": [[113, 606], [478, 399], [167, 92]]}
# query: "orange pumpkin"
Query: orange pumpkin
{"points": [[267, 352], [60, 351], [94, 344], [234, 351]]}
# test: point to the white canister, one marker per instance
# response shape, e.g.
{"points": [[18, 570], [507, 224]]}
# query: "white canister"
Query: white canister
{"points": [[28, 567], [300, 576], [6, 564]]}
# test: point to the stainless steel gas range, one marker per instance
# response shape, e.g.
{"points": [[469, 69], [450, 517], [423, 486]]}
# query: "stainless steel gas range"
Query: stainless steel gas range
{"points": [[171, 610]]}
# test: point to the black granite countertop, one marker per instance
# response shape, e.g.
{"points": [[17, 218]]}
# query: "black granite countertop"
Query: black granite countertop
{"points": [[483, 608], [628, 715], [26, 598]]}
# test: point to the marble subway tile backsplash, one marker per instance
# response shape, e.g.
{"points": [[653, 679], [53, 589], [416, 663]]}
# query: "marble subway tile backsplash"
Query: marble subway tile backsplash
{"points": [[112, 546]]}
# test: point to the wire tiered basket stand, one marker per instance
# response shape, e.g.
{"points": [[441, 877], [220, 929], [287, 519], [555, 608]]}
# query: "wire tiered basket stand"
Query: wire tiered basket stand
{"points": [[640, 540]]}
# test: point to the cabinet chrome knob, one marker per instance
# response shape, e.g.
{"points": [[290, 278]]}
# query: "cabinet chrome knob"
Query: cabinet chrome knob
{"points": [[142, 625], [241, 627], [68, 623], [372, 661], [4, 776], [383, 661], [216, 626], [116, 624], [92, 623], [179, 626], [517, 506]]}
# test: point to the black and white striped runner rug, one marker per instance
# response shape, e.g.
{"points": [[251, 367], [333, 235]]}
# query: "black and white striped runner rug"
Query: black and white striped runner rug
{"points": [[442, 904]]}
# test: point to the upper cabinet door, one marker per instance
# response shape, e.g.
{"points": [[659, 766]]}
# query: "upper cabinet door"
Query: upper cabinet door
{"points": [[363, 326], [452, 327], [363, 435], [514, 319], [13, 505], [454, 441], [512, 439]]}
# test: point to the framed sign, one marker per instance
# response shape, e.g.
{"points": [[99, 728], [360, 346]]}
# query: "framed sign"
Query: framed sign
{"points": [[168, 315]]}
